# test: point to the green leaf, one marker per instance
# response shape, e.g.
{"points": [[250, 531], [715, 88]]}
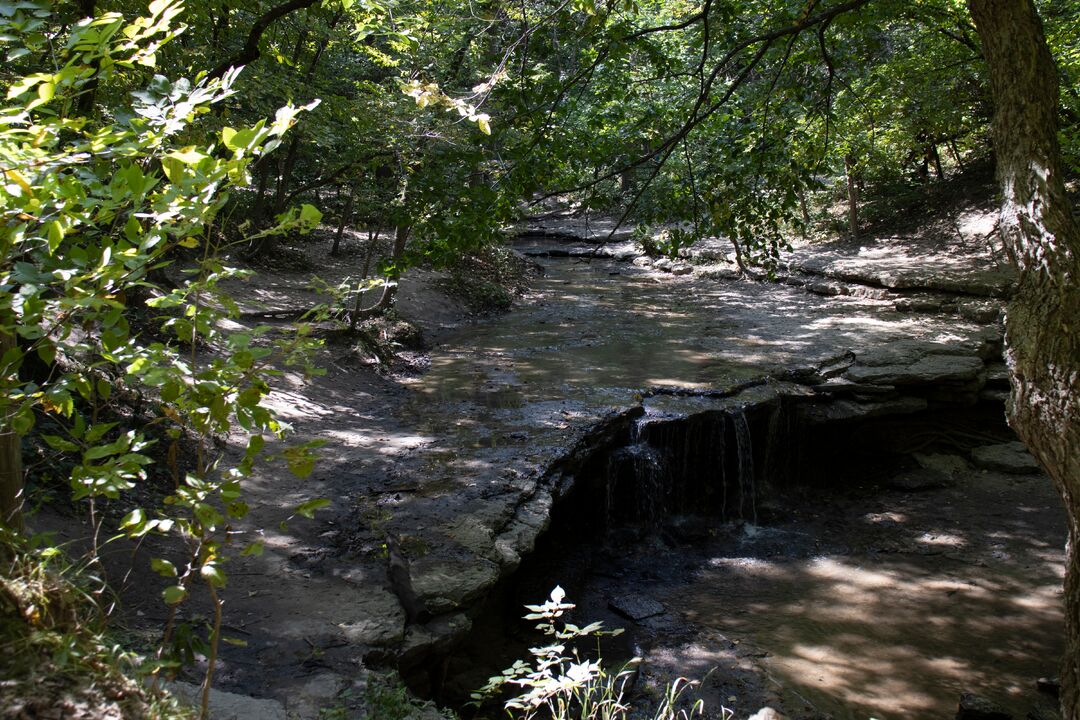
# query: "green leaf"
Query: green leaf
{"points": [[189, 155], [310, 217], [301, 461], [174, 594], [138, 365], [228, 135], [207, 516], [254, 549], [307, 509], [23, 420], [55, 234], [101, 451], [47, 352], [163, 567], [58, 443], [212, 574]]}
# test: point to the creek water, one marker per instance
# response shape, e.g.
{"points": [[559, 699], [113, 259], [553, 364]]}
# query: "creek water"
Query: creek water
{"points": [[798, 565]]}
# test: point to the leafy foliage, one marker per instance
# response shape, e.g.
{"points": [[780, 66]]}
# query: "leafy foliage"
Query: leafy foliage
{"points": [[95, 212], [57, 648]]}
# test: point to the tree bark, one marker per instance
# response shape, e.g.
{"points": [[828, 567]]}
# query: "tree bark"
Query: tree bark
{"points": [[346, 215], [285, 172], [853, 196], [11, 467], [1042, 332], [936, 157]]}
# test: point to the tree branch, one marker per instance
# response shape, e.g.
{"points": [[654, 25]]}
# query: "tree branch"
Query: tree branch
{"points": [[251, 52], [697, 115]]}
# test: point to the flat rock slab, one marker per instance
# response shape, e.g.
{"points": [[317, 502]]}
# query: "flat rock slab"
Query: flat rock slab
{"points": [[636, 607], [928, 370], [918, 480], [974, 707], [1012, 458], [888, 266], [230, 706]]}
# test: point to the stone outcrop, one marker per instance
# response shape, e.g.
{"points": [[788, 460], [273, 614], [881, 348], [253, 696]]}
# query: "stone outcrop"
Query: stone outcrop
{"points": [[1012, 458], [975, 707]]}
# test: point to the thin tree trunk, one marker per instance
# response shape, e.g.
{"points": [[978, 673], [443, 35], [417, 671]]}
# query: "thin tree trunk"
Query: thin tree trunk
{"points": [[936, 157], [852, 195], [805, 212], [11, 468], [956, 155], [354, 319], [285, 174], [258, 208], [345, 217], [389, 294], [1042, 333]]}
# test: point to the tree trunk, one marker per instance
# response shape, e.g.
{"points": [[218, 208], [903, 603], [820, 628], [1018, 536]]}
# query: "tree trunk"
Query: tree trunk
{"points": [[401, 238], [852, 195], [956, 154], [805, 209], [1042, 335], [258, 208], [11, 468], [345, 217], [936, 157], [288, 164]]}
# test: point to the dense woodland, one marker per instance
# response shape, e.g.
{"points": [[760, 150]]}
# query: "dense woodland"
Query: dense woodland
{"points": [[136, 140]]}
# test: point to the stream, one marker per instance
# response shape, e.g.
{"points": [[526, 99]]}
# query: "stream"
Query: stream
{"points": [[823, 562], [811, 496]]}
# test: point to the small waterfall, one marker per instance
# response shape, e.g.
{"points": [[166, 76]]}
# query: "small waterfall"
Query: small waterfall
{"points": [[696, 464], [649, 472], [636, 486], [744, 454], [719, 457]]}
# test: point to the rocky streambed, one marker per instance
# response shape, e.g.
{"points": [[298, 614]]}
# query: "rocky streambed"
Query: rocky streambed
{"points": [[698, 410]]}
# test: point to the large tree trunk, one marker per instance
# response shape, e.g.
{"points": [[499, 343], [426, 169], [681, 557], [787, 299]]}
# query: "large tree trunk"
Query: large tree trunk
{"points": [[1042, 330]]}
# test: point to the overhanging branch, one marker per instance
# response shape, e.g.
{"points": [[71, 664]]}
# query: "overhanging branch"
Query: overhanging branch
{"points": [[251, 52]]}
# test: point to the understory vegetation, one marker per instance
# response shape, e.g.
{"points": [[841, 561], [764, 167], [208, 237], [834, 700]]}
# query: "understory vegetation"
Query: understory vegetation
{"points": [[154, 155]]}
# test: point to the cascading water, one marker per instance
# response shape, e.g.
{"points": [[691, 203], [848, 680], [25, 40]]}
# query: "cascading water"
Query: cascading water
{"points": [[744, 455], [699, 464]]}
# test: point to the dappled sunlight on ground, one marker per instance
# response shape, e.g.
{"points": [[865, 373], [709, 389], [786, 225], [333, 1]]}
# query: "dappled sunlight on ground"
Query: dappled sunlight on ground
{"points": [[958, 605]]}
